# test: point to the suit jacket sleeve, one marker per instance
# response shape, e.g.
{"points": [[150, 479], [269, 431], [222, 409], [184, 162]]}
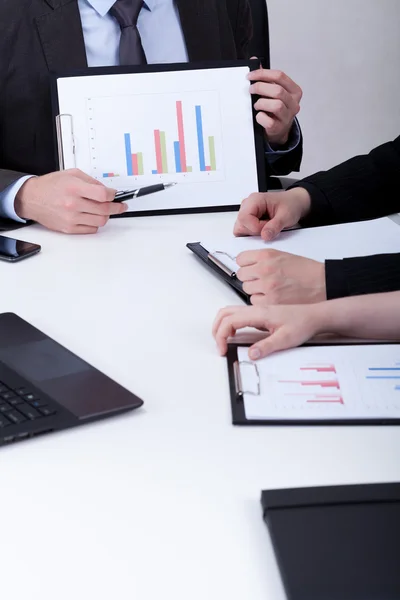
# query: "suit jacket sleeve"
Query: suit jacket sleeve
{"points": [[364, 187], [363, 275], [7, 178]]}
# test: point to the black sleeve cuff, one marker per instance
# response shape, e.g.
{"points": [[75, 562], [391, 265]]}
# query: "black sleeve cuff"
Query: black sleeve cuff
{"points": [[364, 275], [335, 279], [320, 212]]}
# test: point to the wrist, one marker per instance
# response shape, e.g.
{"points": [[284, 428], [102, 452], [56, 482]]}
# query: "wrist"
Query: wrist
{"points": [[22, 204], [302, 198], [334, 316]]}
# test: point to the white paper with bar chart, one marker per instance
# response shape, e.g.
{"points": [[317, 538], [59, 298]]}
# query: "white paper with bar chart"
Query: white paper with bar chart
{"points": [[343, 382], [192, 127]]}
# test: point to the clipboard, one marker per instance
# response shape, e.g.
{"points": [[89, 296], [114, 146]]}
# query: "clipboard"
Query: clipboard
{"points": [[336, 542], [237, 390], [66, 130], [212, 261]]}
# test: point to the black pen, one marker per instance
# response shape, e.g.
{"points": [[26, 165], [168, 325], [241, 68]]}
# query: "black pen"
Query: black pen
{"points": [[144, 191]]}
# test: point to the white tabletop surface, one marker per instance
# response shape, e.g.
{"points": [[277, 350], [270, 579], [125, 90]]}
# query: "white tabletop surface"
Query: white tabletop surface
{"points": [[163, 502]]}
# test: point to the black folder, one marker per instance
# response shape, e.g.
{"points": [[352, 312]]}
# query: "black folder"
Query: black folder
{"points": [[219, 269], [336, 543]]}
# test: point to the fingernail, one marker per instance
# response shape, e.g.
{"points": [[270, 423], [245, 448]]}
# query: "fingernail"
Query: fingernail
{"points": [[254, 354], [269, 235]]}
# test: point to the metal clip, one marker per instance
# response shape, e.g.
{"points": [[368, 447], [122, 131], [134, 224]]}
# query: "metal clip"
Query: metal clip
{"points": [[60, 141], [238, 378], [220, 264]]}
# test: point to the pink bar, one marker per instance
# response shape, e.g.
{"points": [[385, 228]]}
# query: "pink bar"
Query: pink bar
{"points": [[330, 369], [157, 141], [135, 166], [208, 168], [320, 383], [181, 136]]}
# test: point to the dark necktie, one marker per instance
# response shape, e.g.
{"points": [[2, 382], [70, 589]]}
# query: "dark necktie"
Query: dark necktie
{"points": [[130, 49]]}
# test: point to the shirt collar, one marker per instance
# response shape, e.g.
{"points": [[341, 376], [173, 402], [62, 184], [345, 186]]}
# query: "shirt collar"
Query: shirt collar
{"points": [[102, 7]]}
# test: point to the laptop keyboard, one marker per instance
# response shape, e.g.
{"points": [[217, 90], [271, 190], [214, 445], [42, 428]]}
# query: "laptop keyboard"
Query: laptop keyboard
{"points": [[18, 405]]}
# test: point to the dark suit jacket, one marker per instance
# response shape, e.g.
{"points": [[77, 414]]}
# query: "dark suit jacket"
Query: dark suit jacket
{"points": [[364, 187], [40, 36]]}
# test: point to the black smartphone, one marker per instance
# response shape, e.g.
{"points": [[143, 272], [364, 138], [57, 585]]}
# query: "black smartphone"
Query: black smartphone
{"points": [[14, 250]]}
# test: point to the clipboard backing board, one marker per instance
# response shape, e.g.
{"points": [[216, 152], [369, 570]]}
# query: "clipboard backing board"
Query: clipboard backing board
{"points": [[200, 132], [237, 400]]}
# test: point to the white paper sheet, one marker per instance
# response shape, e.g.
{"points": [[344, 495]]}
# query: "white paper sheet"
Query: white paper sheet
{"points": [[379, 236], [193, 127], [324, 382]]}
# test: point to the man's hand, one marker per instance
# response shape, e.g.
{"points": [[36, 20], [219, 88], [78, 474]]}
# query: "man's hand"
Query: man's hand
{"points": [[288, 326], [68, 201], [278, 104], [274, 277], [282, 209]]}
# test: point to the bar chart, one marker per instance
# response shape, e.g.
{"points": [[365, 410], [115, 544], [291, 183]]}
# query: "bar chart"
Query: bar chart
{"points": [[312, 384], [179, 139]]}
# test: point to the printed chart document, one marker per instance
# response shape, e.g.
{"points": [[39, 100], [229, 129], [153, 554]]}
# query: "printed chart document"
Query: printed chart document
{"points": [[194, 127], [323, 382], [378, 236]]}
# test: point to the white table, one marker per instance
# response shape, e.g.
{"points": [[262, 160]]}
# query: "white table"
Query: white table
{"points": [[163, 502]]}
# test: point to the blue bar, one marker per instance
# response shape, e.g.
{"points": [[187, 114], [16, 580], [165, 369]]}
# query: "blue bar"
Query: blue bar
{"points": [[200, 138], [177, 149], [384, 369], [128, 150], [383, 377], [155, 172], [105, 175]]}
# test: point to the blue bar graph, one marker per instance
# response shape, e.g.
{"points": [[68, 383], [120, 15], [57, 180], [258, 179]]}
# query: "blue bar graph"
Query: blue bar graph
{"points": [[154, 172], [177, 150], [106, 175], [383, 377], [384, 369], [128, 151], [200, 138]]}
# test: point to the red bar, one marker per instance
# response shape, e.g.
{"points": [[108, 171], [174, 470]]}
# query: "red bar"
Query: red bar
{"points": [[181, 136], [157, 142], [135, 165], [327, 369], [110, 174], [323, 384], [208, 168]]}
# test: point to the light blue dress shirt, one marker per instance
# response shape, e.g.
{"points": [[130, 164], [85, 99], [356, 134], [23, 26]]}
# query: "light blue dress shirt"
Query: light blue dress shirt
{"points": [[162, 40]]}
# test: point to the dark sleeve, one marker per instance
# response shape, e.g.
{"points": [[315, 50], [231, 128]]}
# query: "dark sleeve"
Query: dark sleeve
{"points": [[7, 178], [364, 187], [364, 275], [288, 162]]}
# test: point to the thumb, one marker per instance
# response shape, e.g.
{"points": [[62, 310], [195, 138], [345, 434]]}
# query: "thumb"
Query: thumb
{"points": [[272, 228], [278, 340]]}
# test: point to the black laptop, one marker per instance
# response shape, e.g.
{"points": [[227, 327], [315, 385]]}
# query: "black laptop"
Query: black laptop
{"points": [[45, 388]]}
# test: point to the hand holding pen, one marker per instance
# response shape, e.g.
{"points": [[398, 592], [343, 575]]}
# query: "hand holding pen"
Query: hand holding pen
{"points": [[123, 195]]}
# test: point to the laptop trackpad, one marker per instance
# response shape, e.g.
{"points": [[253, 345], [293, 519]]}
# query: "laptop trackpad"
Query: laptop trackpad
{"points": [[38, 361], [72, 382]]}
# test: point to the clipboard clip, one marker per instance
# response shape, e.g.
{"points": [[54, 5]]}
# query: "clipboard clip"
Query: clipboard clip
{"points": [[60, 119], [220, 264], [238, 378]]}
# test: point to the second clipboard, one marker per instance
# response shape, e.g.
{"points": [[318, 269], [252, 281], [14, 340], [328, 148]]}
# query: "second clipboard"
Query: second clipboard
{"points": [[358, 382]]}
